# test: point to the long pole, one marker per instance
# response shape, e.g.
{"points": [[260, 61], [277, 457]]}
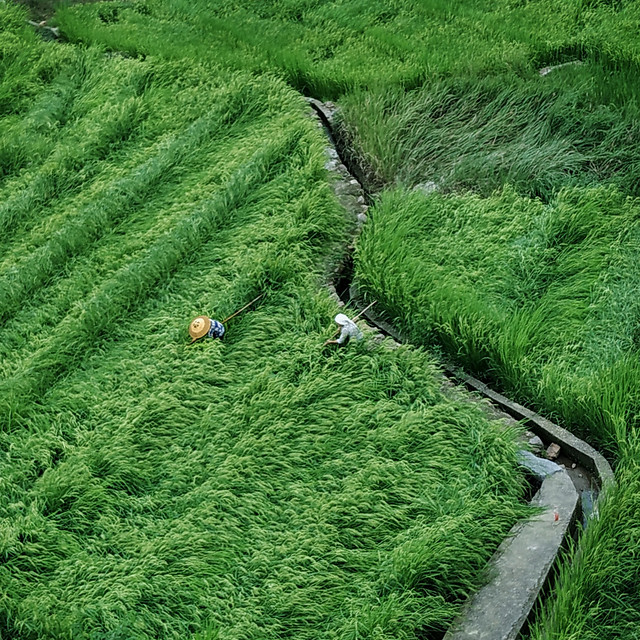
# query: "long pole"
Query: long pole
{"points": [[365, 309], [246, 306]]}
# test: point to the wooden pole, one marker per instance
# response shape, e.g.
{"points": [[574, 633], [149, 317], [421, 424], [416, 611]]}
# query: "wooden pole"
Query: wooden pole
{"points": [[365, 309], [246, 306]]}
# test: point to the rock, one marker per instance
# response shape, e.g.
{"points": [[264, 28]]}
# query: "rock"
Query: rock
{"points": [[426, 187], [535, 443], [540, 467], [553, 451], [547, 70], [573, 466], [362, 218]]}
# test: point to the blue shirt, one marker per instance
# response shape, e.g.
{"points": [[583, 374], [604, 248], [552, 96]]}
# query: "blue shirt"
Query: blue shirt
{"points": [[216, 330]]}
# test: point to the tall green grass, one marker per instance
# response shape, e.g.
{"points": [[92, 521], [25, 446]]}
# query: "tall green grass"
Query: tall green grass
{"points": [[596, 595], [537, 134], [540, 300], [259, 486], [330, 48], [539, 296]]}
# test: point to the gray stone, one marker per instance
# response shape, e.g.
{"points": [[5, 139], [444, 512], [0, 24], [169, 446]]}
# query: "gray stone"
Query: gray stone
{"points": [[536, 443], [346, 188], [540, 467]]}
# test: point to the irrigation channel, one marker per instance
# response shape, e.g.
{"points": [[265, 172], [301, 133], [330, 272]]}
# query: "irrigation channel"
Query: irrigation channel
{"points": [[568, 489]]}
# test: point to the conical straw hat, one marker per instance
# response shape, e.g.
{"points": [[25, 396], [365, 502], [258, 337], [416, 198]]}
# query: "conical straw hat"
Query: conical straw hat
{"points": [[199, 327]]}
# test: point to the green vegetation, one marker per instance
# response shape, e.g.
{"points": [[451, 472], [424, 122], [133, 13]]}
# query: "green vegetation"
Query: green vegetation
{"points": [[539, 298], [256, 487], [135, 192], [329, 48], [537, 134]]}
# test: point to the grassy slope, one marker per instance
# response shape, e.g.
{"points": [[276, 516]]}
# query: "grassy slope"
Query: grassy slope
{"points": [[586, 129], [255, 487], [537, 134]]}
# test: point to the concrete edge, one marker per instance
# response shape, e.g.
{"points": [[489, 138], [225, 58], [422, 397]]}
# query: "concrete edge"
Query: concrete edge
{"points": [[520, 567], [577, 449]]}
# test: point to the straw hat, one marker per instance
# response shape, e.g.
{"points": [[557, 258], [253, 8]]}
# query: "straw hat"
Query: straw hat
{"points": [[199, 327]]}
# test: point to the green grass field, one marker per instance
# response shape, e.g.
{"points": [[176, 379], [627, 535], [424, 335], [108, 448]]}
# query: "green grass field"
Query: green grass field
{"points": [[139, 191], [537, 134], [540, 300], [331, 48], [256, 487]]}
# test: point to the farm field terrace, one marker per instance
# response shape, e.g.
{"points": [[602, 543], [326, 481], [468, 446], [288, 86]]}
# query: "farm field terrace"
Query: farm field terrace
{"points": [[521, 264], [260, 486], [332, 48], [540, 300]]}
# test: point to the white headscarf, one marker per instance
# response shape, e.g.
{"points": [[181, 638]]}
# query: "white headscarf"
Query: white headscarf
{"points": [[341, 319]]}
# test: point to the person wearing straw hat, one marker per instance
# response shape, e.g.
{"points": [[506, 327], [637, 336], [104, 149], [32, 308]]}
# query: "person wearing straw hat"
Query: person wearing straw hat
{"points": [[349, 329], [205, 326]]}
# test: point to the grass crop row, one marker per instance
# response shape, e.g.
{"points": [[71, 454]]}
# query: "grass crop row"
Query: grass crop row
{"points": [[112, 207], [118, 295], [259, 486], [148, 222], [331, 48]]}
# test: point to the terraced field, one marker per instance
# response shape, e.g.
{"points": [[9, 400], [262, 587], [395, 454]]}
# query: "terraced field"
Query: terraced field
{"points": [[139, 192], [256, 487]]}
